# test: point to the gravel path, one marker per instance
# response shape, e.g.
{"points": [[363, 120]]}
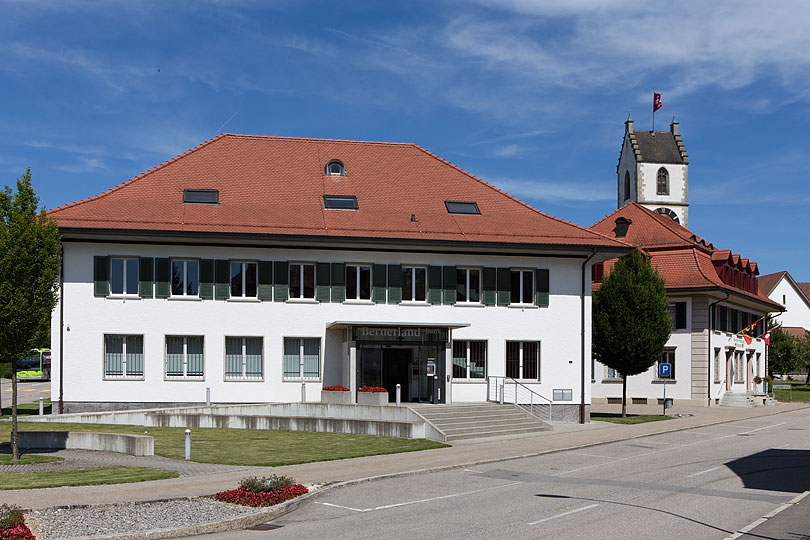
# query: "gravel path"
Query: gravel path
{"points": [[109, 520]]}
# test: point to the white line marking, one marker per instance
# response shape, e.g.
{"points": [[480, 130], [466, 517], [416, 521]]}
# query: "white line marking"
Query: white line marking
{"points": [[704, 472], [344, 507], [760, 429], [471, 470], [564, 514], [594, 455], [783, 446]]}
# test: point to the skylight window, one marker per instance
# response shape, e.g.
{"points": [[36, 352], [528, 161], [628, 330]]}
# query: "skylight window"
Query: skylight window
{"points": [[461, 207], [340, 202], [201, 196], [335, 167]]}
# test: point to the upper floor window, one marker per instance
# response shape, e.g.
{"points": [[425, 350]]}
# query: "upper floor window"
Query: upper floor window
{"points": [[626, 185], [662, 185], [302, 280], [522, 287], [123, 276], [358, 282], [335, 168], [243, 279], [677, 312], [414, 283], [185, 277], [468, 285]]}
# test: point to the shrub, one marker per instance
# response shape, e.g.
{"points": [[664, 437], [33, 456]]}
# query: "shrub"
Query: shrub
{"points": [[263, 498], [335, 388], [255, 484], [10, 516], [372, 389]]}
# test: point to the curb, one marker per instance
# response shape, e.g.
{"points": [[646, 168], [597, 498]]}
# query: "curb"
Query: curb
{"points": [[279, 510], [745, 530]]}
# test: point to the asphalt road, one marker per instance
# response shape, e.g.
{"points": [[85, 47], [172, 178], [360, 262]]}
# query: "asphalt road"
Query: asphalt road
{"points": [[703, 483], [29, 391]]}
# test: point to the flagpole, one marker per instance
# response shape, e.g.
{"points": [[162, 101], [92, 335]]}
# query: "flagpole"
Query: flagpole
{"points": [[653, 127]]}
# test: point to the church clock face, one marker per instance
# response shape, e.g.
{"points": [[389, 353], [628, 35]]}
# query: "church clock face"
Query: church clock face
{"points": [[668, 212]]}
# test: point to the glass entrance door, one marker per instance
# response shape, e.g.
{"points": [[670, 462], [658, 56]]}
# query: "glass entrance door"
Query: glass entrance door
{"points": [[418, 369]]}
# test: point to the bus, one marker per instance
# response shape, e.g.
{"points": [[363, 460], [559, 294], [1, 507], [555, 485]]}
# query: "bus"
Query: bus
{"points": [[35, 367]]}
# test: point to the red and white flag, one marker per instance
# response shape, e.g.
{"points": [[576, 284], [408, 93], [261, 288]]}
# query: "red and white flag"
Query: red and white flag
{"points": [[657, 101], [766, 337]]}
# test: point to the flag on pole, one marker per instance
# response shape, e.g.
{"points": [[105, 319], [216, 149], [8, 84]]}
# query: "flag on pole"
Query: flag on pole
{"points": [[746, 332], [657, 101], [766, 337]]}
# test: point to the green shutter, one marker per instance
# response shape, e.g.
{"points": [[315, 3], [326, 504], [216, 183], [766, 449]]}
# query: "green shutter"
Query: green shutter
{"points": [[265, 280], [449, 281], [323, 280], [504, 286], [145, 277], [541, 284], [338, 282], [222, 279], [162, 278], [281, 281], [207, 279], [394, 283], [680, 315], [435, 284], [490, 289], [101, 276], [378, 280]]}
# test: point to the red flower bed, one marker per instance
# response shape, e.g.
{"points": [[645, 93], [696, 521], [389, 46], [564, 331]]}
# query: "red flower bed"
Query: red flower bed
{"points": [[372, 389], [335, 388], [17, 532], [262, 498]]}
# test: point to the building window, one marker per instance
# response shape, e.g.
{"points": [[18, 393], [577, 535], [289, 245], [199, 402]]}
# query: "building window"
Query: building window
{"points": [[184, 357], [662, 185], [358, 282], [335, 168], [123, 276], [414, 283], [523, 359], [185, 277], [469, 359], [717, 365], [302, 358], [677, 313], [739, 367], [611, 373], [243, 358], [243, 279], [626, 185], [468, 285], [668, 357], [522, 287], [302, 280], [123, 356]]}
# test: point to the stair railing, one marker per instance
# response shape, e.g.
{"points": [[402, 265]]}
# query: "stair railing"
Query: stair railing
{"points": [[508, 390]]}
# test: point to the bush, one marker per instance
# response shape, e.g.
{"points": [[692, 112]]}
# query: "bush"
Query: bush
{"points": [[264, 498], [372, 389], [5, 370], [10, 516], [254, 484], [335, 388]]}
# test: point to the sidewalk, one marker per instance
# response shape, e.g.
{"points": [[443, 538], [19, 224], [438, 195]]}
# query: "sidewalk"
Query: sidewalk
{"points": [[463, 453]]}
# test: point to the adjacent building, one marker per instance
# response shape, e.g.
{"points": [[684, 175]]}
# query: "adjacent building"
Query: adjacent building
{"points": [[794, 296]]}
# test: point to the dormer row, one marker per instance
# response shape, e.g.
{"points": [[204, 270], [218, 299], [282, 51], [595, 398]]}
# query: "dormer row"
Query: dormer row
{"points": [[736, 271]]}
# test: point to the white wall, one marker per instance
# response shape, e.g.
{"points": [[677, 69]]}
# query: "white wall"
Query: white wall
{"points": [[798, 312], [89, 318]]}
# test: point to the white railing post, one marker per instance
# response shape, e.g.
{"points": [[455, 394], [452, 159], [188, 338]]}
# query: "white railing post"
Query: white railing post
{"points": [[188, 445], [399, 394]]}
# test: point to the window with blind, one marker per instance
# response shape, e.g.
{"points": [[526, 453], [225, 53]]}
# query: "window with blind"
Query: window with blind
{"points": [[184, 357], [302, 358], [123, 357], [469, 359], [243, 280], [244, 358], [523, 360]]}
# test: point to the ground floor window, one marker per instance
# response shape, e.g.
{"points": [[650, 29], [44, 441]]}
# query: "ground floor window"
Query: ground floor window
{"points": [[123, 356], [469, 359], [739, 367], [523, 359], [184, 357], [717, 368], [611, 373], [243, 358], [668, 357], [302, 358]]}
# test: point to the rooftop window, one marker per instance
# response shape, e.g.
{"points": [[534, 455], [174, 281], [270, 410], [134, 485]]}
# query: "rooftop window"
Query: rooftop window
{"points": [[335, 167], [340, 202], [460, 207], [201, 196]]}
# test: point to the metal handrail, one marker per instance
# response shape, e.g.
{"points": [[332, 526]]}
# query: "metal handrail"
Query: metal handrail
{"points": [[508, 390]]}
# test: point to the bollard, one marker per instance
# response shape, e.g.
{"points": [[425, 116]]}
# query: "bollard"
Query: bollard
{"points": [[41, 408], [188, 445], [207, 396], [399, 394], [303, 392], [503, 391]]}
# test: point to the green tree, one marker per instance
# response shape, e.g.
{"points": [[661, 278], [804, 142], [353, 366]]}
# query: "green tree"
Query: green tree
{"points": [[30, 260], [803, 354], [782, 353], [631, 320]]}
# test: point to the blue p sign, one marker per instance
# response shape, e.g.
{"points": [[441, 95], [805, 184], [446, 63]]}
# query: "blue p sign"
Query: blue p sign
{"points": [[664, 370]]}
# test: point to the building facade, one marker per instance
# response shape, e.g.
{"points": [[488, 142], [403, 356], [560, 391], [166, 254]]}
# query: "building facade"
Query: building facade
{"points": [[794, 297], [262, 269]]}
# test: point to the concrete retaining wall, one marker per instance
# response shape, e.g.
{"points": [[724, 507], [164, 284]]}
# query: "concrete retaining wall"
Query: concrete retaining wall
{"points": [[136, 445]]}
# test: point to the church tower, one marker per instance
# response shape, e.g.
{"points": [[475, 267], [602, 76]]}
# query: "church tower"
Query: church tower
{"points": [[653, 171]]}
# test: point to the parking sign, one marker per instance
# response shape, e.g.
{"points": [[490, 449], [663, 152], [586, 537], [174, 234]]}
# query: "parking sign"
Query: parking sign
{"points": [[665, 370]]}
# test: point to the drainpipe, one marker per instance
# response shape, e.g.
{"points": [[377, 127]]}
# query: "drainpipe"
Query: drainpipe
{"points": [[709, 370], [582, 339], [61, 331]]}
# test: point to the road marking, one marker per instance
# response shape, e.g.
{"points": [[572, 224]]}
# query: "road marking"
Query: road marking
{"points": [[44, 391], [704, 472], [760, 429], [28, 390], [564, 514], [593, 455], [343, 507]]}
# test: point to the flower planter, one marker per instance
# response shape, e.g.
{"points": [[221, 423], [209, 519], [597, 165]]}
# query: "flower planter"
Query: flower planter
{"points": [[379, 399], [329, 396]]}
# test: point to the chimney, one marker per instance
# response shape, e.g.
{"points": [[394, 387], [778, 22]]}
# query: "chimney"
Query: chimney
{"points": [[628, 125], [673, 127]]}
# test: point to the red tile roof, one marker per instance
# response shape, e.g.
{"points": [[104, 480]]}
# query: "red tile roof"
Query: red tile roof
{"points": [[795, 331], [769, 281], [275, 185]]}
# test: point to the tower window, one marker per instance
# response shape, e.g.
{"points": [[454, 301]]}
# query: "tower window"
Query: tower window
{"points": [[626, 185], [335, 167], [663, 182]]}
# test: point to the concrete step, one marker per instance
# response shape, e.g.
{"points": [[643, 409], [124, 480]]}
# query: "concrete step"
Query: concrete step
{"points": [[479, 420], [495, 433], [498, 427], [440, 417], [505, 419]]}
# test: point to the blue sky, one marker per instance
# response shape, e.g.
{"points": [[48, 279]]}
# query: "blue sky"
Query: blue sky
{"points": [[530, 96]]}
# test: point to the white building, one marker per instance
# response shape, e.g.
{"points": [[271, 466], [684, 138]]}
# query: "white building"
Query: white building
{"points": [[250, 266], [794, 296]]}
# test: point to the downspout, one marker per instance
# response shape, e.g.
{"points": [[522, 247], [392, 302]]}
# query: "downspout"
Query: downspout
{"points": [[582, 339], [709, 370], [62, 333]]}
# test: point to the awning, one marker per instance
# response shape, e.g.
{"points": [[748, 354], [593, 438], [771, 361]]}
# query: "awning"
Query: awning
{"points": [[340, 325]]}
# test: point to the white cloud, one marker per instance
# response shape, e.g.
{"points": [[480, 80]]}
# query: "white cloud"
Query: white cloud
{"points": [[552, 191]]}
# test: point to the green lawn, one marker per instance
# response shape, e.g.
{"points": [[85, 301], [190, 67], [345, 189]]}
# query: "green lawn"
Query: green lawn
{"points": [[799, 392], [27, 459], [26, 409], [616, 418], [249, 447], [87, 477]]}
